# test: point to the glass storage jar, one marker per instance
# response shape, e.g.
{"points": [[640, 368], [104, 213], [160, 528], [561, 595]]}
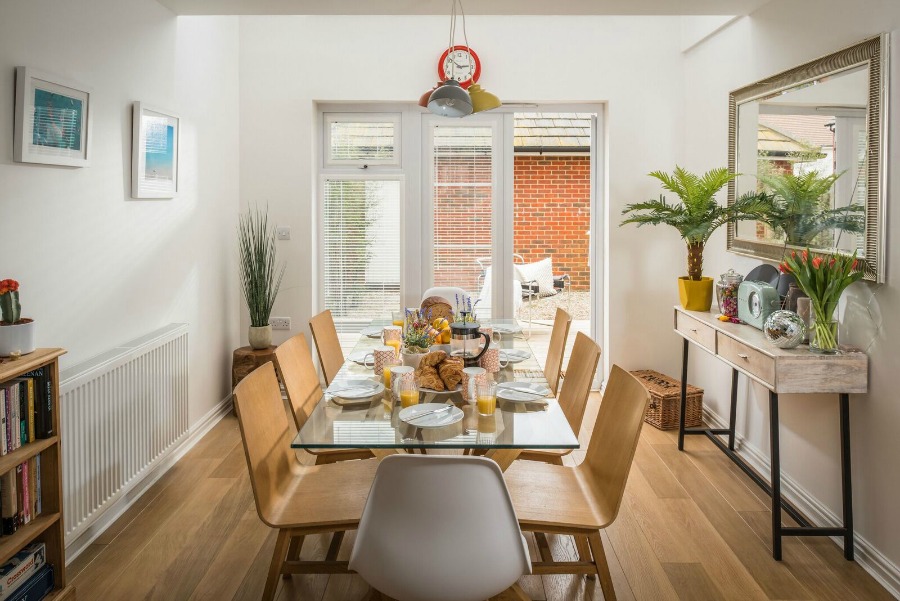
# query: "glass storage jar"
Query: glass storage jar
{"points": [[727, 292]]}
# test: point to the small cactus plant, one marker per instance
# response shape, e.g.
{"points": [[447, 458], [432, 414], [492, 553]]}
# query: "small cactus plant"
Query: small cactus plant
{"points": [[10, 307]]}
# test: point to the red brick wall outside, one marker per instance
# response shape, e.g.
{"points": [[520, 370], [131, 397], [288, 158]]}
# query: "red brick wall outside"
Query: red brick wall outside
{"points": [[552, 198], [552, 216]]}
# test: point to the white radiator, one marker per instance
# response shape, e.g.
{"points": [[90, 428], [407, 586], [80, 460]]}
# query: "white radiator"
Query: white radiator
{"points": [[122, 412]]}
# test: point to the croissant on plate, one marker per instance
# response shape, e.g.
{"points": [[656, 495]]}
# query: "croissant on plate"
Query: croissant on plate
{"points": [[451, 372], [429, 378], [433, 358]]}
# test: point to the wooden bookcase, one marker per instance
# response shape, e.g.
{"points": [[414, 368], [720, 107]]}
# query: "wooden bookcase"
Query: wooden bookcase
{"points": [[48, 526]]}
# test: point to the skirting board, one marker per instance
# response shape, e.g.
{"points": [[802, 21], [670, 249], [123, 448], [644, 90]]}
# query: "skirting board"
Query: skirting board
{"points": [[871, 559], [75, 547]]}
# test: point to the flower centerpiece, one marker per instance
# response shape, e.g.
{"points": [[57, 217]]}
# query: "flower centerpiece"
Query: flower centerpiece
{"points": [[16, 332], [823, 278], [417, 336]]}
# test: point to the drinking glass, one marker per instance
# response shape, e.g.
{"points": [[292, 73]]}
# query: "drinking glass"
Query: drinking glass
{"points": [[397, 318], [486, 398], [409, 392]]}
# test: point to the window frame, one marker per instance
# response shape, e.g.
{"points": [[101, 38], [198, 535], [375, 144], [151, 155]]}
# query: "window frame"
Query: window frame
{"points": [[331, 117]]}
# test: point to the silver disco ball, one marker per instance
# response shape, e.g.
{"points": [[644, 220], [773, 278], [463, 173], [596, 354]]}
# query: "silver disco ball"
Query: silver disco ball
{"points": [[784, 329]]}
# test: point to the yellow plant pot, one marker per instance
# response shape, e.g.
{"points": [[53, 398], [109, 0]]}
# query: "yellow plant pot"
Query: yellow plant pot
{"points": [[695, 295]]}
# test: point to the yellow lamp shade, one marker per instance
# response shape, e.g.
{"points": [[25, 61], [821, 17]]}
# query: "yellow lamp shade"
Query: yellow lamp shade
{"points": [[482, 100]]}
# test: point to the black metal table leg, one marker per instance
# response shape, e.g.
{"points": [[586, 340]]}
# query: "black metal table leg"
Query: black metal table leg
{"points": [[776, 476], [732, 420], [684, 372], [846, 489]]}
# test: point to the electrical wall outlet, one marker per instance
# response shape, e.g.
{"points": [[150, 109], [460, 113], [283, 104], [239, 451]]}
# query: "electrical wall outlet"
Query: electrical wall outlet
{"points": [[283, 233], [280, 323]]}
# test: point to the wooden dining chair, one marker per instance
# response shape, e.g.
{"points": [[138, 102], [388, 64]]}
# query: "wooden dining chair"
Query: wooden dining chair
{"points": [[556, 349], [297, 371], [439, 528], [295, 499], [328, 347], [573, 395], [582, 500]]}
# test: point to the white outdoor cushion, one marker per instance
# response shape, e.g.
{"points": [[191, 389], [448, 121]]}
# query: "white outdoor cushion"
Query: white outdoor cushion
{"points": [[540, 272]]}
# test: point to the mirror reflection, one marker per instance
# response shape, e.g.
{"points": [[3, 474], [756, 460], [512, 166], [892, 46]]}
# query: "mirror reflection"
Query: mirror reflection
{"points": [[806, 147]]}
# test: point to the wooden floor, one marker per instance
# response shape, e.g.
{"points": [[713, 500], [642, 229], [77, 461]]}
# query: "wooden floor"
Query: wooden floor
{"points": [[692, 526]]}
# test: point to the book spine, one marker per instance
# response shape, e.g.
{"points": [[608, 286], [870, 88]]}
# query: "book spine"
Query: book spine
{"points": [[8, 512], [3, 449], [20, 492], [14, 425], [23, 413], [26, 494], [37, 484], [32, 485], [43, 402], [18, 571], [31, 386]]}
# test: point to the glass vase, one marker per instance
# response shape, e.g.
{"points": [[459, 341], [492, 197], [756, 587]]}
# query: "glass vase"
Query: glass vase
{"points": [[823, 330]]}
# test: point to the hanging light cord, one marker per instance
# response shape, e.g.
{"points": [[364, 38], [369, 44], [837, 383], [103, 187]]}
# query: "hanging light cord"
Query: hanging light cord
{"points": [[466, 38], [452, 36]]}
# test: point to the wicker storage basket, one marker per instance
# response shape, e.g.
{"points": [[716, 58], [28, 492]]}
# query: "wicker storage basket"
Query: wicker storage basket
{"points": [[665, 400]]}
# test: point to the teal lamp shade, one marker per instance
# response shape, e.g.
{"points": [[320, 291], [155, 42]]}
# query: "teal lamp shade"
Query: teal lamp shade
{"points": [[482, 100], [450, 100]]}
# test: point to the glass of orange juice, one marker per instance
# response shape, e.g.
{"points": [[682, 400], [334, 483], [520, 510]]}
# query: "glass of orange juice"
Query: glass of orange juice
{"points": [[409, 392], [486, 398], [397, 318]]}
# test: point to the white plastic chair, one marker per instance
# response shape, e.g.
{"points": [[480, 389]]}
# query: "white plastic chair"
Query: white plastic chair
{"points": [[439, 528], [451, 293]]}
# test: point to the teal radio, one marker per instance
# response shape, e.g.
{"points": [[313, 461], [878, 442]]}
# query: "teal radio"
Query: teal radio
{"points": [[756, 301]]}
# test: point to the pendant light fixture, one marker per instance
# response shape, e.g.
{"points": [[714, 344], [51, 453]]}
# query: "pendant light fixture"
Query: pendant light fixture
{"points": [[450, 99]]}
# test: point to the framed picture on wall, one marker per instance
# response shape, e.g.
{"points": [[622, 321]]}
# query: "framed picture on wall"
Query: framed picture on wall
{"points": [[53, 120], [154, 158]]}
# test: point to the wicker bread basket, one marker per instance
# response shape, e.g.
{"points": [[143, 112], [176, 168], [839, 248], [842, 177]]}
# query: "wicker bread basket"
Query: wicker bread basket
{"points": [[665, 400]]}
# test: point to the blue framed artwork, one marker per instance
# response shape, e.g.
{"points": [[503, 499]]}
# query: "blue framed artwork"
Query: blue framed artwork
{"points": [[154, 159], [53, 120]]}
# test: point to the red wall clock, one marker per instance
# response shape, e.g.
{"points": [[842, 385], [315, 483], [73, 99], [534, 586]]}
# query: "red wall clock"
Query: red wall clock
{"points": [[456, 61]]}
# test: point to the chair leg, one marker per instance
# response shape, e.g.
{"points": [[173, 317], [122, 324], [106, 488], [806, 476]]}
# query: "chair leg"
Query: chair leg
{"points": [[293, 553], [278, 557], [606, 583]]}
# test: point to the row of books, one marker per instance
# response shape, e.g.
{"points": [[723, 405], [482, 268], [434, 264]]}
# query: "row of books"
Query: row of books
{"points": [[26, 409], [20, 495], [27, 576]]}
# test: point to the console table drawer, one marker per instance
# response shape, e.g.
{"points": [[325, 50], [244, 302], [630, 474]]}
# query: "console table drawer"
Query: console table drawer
{"points": [[747, 359], [696, 331]]}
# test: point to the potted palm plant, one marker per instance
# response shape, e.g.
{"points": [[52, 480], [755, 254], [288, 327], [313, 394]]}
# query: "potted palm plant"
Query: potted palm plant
{"points": [[696, 218], [795, 208], [260, 273]]}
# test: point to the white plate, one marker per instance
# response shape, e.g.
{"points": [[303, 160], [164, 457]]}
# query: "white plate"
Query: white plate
{"points": [[514, 355], [358, 357], [372, 331], [435, 420], [502, 328], [522, 392], [360, 388], [440, 392]]}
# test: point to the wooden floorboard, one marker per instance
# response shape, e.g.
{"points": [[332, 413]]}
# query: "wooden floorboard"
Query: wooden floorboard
{"points": [[691, 526]]}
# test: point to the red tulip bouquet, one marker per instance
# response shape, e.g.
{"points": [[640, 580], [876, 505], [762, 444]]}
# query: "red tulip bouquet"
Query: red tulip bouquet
{"points": [[823, 279]]}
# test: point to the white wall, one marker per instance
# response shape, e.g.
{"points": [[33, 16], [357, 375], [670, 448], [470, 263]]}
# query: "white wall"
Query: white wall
{"points": [[290, 63], [779, 36], [97, 268]]}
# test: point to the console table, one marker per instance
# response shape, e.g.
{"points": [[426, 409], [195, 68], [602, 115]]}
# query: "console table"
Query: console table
{"points": [[746, 350]]}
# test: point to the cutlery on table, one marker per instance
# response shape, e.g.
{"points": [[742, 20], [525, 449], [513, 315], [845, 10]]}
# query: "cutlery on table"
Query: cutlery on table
{"points": [[432, 412]]}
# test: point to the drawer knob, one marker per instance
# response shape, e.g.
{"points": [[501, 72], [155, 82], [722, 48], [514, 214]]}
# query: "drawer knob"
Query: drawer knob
{"points": [[694, 330], [743, 356]]}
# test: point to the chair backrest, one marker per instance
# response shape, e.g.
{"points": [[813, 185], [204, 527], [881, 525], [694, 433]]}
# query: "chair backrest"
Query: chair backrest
{"points": [[556, 349], [328, 347], [267, 435], [439, 528], [298, 372], [450, 293], [576, 386], [615, 438]]}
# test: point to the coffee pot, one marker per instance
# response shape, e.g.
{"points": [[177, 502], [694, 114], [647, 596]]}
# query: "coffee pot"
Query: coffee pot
{"points": [[465, 340]]}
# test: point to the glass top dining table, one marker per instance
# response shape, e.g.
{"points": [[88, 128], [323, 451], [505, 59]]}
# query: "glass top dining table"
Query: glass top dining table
{"points": [[374, 423]]}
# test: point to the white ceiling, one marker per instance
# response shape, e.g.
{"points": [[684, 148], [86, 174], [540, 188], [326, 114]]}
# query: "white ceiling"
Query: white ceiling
{"points": [[475, 7]]}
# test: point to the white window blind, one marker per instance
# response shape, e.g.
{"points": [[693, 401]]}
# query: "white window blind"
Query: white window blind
{"points": [[361, 254], [372, 139], [463, 192]]}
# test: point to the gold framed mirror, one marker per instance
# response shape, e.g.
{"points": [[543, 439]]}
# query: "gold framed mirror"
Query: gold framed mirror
{"points": [[815, 137]]}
